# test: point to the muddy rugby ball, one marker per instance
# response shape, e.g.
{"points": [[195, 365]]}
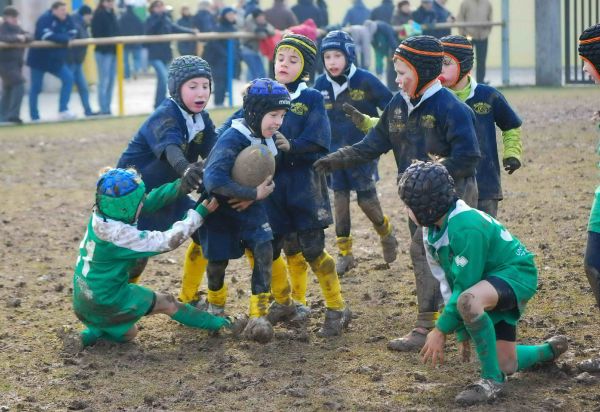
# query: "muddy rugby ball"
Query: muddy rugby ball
{"points": [[253, 165]]}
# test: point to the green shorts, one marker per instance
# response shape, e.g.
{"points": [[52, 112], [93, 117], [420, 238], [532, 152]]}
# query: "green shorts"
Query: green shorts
{"points": [[594, 223], [114, 316]]}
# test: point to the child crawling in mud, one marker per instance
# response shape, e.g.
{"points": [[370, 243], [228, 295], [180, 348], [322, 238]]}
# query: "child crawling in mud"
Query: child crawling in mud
{"points": [[103, 299], [486, 278]]}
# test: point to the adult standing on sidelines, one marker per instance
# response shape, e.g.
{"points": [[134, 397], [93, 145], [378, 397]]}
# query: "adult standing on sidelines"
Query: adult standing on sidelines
{"points": [[477, 11], [280, 15], [11, 66], [130, 24], [383, 12], [54, 25], [104, 24], [81, 18]]}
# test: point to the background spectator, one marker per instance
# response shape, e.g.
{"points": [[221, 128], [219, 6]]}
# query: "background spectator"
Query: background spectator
{"points": [[186, 20], [402, 13], [477, 11], [280, 16], [131, 25], [322, 5], [204, 20], [357, 14], [215, 53], [81, 19], [11, 66], [160, 54], [104, 24], [385, 40], [442, 15], [306, 9], [54, 25], [425, 14], [256, 23], [383, 12], [362, 36]]}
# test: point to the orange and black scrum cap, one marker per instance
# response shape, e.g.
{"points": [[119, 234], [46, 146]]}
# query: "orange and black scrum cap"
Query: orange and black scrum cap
{"points": [[589, 46], [460, 49], [424, 55]]}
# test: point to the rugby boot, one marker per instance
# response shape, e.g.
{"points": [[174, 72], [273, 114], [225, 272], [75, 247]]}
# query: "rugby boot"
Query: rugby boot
{"points": [[413, 341], [389, 244], [559, 345], [335, 322], [482, 391], [345, 259], [281, 313]]}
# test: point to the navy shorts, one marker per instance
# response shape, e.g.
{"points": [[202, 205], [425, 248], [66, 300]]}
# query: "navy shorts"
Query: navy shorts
{"points": [[507, 300], [360, 178]]}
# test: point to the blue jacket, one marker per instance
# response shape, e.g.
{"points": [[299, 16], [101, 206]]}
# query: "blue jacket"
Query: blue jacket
{"points": [[491, 110], [440, 125], [76, 55], [215, 51], [204, 21], [160, 23], [365, 92], [306, 9], [356, 14], [166, 126], [48, 27], [383, 12], [423, 16]]}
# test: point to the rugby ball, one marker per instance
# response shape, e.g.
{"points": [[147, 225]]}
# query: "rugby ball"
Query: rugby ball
{"points": [[253, 165]]}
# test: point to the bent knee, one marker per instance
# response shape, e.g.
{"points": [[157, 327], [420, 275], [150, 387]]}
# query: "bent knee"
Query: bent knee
{"points": [[165, 303], [130, 334], [468, 307]]}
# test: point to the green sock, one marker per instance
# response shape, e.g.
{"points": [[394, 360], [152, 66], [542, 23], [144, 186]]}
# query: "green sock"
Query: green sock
{"points": [[90, 336], [191, 316], [529, 355], [484, 336]]}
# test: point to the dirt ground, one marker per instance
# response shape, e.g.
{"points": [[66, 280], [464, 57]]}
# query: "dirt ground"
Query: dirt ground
{"points": [[47, 176]]}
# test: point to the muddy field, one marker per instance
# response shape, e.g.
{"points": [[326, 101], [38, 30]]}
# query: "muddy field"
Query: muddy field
{"points": [[47, 175]]}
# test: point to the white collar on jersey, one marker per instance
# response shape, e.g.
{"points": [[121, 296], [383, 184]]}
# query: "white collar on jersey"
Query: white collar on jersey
{"points": [[194, 123], [337, 88], [296, 94], [240, 126], [473, 86], [433, 89]]}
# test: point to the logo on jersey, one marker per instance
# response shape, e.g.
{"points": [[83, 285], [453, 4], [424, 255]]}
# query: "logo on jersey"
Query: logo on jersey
{"points": [[461, 261], [328, 106], [199, 137], [428, 121], [482, 108], [357, 95], [299, 108]]}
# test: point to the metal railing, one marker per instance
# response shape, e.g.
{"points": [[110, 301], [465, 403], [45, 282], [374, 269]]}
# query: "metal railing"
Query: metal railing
{"points": [[121, 41]]}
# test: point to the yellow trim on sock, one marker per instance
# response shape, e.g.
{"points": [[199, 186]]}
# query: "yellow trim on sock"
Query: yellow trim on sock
{"points": [[259, 305], [280, 285], [344, 245], [194, 266], [385, 228], [324, 268], [298, 272], [218, 297]]}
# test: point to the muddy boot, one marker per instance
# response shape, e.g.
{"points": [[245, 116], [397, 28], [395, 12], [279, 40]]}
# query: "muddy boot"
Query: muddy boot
{"points": [[345, 259], [216, 310], [259, 330], [413, 341], [589, 365], [281, 313], [72, 342], [237, 325], [335, 322], [482, 391], [199, 302], [389, 244], [301, 315], [559, 345]]}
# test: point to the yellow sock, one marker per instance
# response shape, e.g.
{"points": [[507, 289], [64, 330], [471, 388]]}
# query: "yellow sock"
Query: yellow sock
{"points": [[259, 305], [324, 268], [194, 266], [280, 285], [385, 228], [344, 245], [250, 257], [218, 297], [298, 271]]}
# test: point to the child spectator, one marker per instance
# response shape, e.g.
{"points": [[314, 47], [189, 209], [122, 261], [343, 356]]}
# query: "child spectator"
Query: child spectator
{"points": [[344, 83], [160, 54], [81, 19], [103, 298], [215, 53], [104, 24], [491, 109], [486, 277], [54, 25], [11, 66], [170, 144], [423, 119], [229, 231]]}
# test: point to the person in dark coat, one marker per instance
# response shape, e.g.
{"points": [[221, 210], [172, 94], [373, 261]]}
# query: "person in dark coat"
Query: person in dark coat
{"points": [[383, 12], [402, 14], [425, 14], [280, 15], [215, 53], [306, 9], [356, 14], [322, 5], [81, 18], [131, 25], [160, 54], [186, 20], [104, 24], [54, 25], [11, 66], [204, 19], [442, 15]]}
